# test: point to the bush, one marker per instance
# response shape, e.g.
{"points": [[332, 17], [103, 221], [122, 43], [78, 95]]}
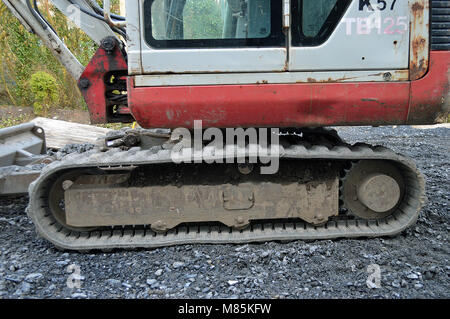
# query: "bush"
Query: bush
{"points": [[22, 54], [45, 89]]}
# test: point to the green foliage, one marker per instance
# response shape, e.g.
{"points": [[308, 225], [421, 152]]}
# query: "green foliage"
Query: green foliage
{"points": [[45, 90], [22, 55], [202, 19], [12, 121]]}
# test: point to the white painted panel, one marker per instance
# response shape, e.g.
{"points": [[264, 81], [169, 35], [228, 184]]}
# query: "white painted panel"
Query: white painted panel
{"points": [[270, 78], [348, 49], [134, 38], [353, 47], [213, 60], [205, 60]]}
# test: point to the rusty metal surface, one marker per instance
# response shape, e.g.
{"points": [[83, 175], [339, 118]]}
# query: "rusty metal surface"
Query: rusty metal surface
{"points": [[430, 95], [164, 207], [420, 39], [271, 78]]}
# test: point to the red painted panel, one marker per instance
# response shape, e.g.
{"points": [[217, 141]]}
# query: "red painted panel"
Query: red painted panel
{"points": [[92, 82], [430, 95], [270, 105]]}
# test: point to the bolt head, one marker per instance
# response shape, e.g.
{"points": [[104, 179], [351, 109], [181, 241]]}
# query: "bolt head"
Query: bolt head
{"points": [[108, 44], [245, 169], [84, 83], [387, 76]]}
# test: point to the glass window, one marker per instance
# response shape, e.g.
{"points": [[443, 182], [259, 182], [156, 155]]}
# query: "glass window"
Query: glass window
{"points": [[213, 23], [315, 20]]}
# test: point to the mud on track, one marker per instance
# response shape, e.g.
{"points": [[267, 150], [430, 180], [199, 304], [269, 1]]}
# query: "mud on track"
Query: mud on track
{"points": [[415, 264]]}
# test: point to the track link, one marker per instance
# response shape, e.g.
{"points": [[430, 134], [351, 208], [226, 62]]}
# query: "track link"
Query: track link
{"points": [[143, 237]]}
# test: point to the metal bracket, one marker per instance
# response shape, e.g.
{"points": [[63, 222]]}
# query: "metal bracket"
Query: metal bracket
{"points": [[111, 22]]}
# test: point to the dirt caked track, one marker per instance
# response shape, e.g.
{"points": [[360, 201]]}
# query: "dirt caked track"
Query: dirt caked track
{"points": [[142, 236], [414, 264]]}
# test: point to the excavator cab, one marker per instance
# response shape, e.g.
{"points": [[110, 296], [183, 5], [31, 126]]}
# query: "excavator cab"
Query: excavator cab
{"points": [[256, 36], [299, 57], [296, 66]]}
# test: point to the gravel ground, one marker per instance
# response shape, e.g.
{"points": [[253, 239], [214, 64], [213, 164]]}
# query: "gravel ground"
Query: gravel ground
{"points": [[413, 265]]}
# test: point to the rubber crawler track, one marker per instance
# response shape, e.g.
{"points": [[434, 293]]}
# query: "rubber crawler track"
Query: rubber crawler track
{"points": [[143, 237]]}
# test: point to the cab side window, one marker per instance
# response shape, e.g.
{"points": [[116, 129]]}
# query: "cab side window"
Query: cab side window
{"points": [[212, 23], [313, 21]]}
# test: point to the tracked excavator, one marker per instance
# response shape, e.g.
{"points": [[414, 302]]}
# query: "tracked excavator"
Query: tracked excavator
{"points": [[285, 69]]}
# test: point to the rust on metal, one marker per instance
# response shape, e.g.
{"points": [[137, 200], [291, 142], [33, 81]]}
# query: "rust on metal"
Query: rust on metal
{"points": [[430, 98], [419, 50], [398, 75]]}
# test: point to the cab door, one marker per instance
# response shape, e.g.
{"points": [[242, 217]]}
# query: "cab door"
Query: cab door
{"points": [[206, 36], [349, 35]]}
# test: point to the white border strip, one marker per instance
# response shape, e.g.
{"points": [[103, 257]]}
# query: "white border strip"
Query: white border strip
{"points": [[270, 78]]}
